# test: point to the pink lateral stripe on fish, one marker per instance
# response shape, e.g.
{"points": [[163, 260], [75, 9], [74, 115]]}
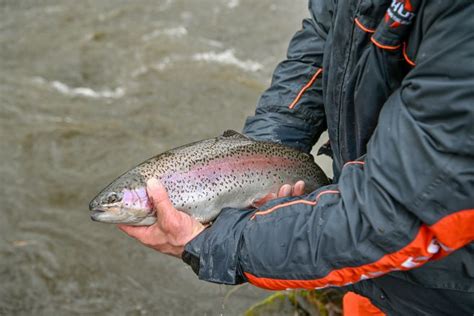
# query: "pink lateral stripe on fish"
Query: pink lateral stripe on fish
{"points": [[231, 166]]}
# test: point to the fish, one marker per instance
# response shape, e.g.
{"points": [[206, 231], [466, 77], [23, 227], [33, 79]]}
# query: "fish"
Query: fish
{"points": [[202, 178]]}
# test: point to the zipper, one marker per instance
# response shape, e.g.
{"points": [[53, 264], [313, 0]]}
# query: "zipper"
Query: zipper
{"points": [[344, 77]]}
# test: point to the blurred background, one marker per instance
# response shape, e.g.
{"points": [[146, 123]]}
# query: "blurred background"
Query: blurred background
{"points": [[89, 89]]}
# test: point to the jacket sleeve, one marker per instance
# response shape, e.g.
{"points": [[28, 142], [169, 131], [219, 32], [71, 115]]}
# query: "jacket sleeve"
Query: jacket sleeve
{"points": [[409, 202], [291, 110]]}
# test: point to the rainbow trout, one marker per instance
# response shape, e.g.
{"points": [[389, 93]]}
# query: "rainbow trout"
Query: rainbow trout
{"points": [[202, 178]]}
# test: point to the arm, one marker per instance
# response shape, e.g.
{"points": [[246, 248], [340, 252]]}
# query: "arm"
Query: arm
{"points": [[410, 202], [291, 110]]}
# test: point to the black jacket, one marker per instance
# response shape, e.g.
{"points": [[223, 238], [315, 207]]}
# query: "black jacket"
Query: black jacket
{"points": [[393, 83]]}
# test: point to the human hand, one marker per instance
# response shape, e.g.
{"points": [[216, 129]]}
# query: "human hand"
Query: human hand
{"points": [[172, 230], [285, 190], [288, 190]]}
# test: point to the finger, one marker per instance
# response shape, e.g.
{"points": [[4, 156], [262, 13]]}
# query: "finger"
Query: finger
{"points": [[161, 202], [284, 191], [298, 189], [158, 195]]}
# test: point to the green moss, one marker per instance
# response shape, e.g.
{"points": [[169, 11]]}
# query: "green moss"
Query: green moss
{"points": [[323, 302]]}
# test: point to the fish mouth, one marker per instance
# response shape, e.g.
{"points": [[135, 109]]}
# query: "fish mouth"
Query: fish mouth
{"points": [[121, 216], [105, 216], [96, 214]]}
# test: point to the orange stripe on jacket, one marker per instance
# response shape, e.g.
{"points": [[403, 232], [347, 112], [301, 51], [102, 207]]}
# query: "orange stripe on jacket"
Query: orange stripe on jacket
{"points": [[363, 27], [432, 242], [454, 231], [294, 202], [306, 87], [355, 162], [384, 46], [407, 59]]}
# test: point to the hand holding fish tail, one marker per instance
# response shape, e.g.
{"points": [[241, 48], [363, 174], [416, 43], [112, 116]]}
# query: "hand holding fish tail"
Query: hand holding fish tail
{"points": [[172, 230]]}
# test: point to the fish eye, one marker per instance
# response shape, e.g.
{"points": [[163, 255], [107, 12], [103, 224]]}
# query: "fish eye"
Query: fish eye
{"points": [[112, 198]]}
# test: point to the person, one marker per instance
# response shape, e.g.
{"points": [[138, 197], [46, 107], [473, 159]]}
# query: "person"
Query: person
{"points": [[393, 84]]}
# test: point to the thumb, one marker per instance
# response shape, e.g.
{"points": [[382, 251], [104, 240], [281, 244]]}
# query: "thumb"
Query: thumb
{"points": [[160, 199]]}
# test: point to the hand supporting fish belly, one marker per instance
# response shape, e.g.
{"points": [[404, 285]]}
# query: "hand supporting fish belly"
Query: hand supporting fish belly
{"points": [[174, 229], [204, 177]]}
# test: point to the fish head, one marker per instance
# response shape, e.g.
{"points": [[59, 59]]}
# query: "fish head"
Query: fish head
{"points": [[124, 201]]}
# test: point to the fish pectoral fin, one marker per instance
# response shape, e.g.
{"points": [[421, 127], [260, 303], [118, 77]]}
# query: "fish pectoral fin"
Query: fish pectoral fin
{"points": [[234, 134], [258, 202]]}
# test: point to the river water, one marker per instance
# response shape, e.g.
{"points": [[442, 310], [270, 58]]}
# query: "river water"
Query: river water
{"points": [[90, 88]]}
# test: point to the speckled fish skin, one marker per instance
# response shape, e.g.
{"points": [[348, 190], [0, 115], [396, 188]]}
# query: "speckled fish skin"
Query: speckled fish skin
{"points": [[203, 177]]}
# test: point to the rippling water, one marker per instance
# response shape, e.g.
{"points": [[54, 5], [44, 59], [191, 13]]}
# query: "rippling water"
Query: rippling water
{"points": [[90, 88]]}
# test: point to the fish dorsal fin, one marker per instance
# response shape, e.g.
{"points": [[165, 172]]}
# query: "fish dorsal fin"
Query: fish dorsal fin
{"points": [[233, 134]]}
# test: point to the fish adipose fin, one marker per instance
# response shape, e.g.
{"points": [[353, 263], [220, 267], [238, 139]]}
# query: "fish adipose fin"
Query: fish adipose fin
{"points": [[233, 134]]}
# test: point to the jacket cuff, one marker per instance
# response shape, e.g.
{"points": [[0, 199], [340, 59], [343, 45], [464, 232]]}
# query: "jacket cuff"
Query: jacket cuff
{"points": [[214, 253]]}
